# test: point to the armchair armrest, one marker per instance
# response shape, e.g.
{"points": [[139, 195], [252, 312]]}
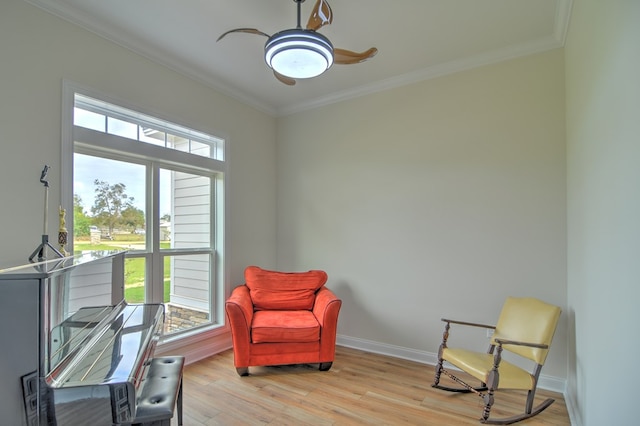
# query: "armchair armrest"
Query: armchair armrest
{"points": [[517, 343], [325, 300], [445, 335], [326, 309], [471, 324], [239, 308]]}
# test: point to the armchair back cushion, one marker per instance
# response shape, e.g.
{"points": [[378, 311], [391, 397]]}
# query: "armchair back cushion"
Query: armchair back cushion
{"points": [[273, 290], [528, 320]]}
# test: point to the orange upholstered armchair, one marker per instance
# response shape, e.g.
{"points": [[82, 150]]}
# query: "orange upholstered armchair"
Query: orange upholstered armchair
{"points": [[280, 318]]}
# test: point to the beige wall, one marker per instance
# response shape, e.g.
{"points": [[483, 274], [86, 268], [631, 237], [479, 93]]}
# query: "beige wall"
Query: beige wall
{"points": [[435, 199], [38, 51], [603, 151]]}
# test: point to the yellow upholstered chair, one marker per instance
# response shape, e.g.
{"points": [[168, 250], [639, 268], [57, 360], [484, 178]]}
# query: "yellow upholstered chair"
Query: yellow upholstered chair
{"points": [[525, 327]]}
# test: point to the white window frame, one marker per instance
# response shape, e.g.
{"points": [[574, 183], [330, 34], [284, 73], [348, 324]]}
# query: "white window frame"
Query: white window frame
{"points": [[220, 281]]}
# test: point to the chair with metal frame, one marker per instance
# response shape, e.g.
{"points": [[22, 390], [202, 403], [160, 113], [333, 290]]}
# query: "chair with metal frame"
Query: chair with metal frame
{"points": [[525, 327]]}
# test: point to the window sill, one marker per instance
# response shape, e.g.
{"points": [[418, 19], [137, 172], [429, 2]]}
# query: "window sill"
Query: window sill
{"points": [[197, 345]]}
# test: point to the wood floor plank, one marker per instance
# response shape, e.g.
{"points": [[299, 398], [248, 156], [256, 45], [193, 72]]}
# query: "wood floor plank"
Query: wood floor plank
{"points": [[361, 388]]}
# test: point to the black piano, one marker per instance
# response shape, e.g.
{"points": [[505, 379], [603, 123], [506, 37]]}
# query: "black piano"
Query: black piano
{"points": [[69, 361]]}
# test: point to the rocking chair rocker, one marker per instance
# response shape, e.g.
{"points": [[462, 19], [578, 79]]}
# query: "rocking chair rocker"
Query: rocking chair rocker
{"points": [[525, 327]]}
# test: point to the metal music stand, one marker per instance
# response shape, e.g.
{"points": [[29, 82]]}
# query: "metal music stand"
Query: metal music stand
{"points": [[41, 250]]}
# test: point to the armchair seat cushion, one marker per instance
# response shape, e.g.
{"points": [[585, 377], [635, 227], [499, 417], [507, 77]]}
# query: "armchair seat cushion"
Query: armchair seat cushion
{"points": [[284, 327], [479, 365]]}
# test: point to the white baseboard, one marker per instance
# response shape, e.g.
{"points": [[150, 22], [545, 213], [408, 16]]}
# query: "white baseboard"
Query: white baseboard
{"points": [[572, 409], [386, 349], [551, 383]]}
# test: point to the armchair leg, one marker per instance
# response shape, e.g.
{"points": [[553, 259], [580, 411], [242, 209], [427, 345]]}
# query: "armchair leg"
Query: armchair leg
{"points": [[436, 378], [443, 345], [325, 366], [242, 371], [488, 402]]}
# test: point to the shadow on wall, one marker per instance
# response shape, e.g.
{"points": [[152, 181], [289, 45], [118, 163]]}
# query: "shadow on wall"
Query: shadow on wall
{"points": [[574, 389], [357, 322]]}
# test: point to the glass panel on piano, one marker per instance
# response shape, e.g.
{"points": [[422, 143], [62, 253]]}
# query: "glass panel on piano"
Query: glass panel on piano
{"points": [[68, 297], [118, 335]]}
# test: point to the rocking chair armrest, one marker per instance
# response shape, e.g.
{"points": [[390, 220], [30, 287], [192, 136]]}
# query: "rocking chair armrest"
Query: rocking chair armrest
{"points": [[471, 324], [517, 343]]}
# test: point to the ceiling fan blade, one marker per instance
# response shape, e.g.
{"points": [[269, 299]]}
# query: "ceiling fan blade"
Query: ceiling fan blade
{"points": [[244, 30], [320, 16], [284, 79], [347, 57]]}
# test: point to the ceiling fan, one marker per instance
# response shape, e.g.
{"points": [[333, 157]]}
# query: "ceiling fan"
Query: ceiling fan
{"points": [[303, 52]]}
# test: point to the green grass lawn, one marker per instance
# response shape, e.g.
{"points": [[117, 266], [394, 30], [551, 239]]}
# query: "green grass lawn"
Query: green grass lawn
{"points": [[136, 294]]}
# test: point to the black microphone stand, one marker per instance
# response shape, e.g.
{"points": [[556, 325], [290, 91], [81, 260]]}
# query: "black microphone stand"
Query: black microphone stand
{"points": [[41, 250]]}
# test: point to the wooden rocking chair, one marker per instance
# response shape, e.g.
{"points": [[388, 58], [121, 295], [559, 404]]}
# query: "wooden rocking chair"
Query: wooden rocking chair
{"points": [[525, 327]]}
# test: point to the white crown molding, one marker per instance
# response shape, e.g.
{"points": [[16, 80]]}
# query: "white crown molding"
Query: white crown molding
{"points": [[562, 18], [88, 23], [439, 70], [561, 25]]}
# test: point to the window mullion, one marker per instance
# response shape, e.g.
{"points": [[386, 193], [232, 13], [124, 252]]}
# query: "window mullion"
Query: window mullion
{"points": [[152, 235]]}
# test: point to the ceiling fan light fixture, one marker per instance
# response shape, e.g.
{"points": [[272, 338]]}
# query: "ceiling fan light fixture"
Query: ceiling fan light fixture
{"points": [[299, 53]]}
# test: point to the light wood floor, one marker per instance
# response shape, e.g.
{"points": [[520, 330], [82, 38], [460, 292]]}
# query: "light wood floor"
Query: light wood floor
{"points": [[360, 388]]}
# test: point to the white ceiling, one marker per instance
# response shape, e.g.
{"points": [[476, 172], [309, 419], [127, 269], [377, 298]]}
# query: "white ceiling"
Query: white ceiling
{"points": [[417, 39]]}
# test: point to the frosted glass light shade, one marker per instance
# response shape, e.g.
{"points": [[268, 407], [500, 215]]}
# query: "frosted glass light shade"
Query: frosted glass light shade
{"points": [[299, 53]]}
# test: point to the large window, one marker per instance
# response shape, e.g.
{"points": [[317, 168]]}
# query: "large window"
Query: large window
{"points": [[156, 189]]}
